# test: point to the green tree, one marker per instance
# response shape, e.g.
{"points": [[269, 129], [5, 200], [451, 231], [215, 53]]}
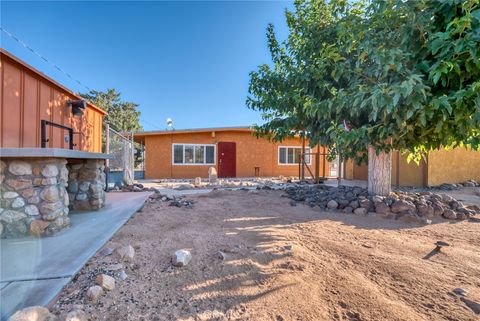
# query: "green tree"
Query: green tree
{"points": [[123, 116], [370, 77]]}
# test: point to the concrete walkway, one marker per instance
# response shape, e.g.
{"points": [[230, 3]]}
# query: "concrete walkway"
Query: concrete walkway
{"points": [[34, 270]]}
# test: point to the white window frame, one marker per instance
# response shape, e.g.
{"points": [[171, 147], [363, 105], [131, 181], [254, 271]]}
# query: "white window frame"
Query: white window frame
{"points": [[195, 164], [292, 164]]}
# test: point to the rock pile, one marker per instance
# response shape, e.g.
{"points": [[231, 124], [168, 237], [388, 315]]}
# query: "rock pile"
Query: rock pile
{"points": [[405, 206], [178, 201], [136, 187]]}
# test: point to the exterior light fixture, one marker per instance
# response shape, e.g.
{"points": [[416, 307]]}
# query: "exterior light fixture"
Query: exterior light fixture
{"points": [[78, 106]]}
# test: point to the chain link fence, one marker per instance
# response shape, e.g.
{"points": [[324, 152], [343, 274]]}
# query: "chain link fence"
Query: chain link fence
{"points": [[121, 167]]}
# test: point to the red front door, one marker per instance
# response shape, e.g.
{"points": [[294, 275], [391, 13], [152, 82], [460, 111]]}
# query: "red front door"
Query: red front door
{"points": [[227, 159]]}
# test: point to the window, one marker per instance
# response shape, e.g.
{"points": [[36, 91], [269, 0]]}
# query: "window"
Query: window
{"points": [[193, 154], [292, 155]]}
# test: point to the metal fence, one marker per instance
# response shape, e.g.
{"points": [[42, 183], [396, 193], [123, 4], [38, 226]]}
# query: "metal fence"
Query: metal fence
{"points": [[121, 167]]}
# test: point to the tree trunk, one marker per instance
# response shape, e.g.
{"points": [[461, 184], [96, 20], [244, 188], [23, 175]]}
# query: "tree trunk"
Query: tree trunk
{"points": [[379, 172]]}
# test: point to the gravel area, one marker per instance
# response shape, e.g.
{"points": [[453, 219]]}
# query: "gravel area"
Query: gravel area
{"points": [[256, 257]]}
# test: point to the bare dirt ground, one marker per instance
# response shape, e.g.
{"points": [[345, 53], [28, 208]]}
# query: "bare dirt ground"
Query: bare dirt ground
{"points": [[341, 267]]}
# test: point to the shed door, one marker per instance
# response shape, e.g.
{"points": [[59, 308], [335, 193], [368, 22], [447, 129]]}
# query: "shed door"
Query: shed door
{"points": [[227, 159]]}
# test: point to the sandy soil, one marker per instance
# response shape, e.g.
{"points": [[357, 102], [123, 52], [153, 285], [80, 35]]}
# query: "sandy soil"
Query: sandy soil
{"points": [[341, 267]]}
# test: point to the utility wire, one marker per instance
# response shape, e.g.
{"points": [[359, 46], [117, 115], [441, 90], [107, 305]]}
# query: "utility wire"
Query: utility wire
{"points": [[26, 46], [149, 123], [23, 44]]}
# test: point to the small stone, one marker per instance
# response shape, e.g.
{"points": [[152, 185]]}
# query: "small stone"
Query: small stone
{"points": [[50, 194], [84, 186], [34, 200], [348, 209], [49, 208], [106, 282], [288, 247], [8, 195], [449, 214], [402, 205], [460, 291], [20, 168], [122, 275], [34, 313], [360, 211], [18, 202], [181, 258], [49, 181], [94, 292], [50, 170], [9, 216], [114, 267], [31, 210], [477, 191], [76, 315], [37, 227], [19, 183], [221, 255], [126, 253], [29, 192], [198, 181], [106, 251], [354, 204], [382, 208], [81, 196], [73, 186], [332, 204]]}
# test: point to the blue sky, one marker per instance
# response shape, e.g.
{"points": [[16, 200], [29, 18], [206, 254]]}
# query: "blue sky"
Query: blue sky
{"points": [[185, 60]]}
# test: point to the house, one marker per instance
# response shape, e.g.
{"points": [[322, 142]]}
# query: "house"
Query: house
{"points": [[237, 152], [233, 151], [440, 166], [50, 152]]}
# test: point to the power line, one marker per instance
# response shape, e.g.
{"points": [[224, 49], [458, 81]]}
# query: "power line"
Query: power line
{"points": [[23, 44], [149, 123]]}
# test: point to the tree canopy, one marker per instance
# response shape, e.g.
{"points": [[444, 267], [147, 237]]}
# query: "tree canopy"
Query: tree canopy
{"points": [[390, 74], [123, 116]]}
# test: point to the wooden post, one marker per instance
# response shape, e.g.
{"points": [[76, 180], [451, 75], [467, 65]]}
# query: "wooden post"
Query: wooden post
{"points": [[317, 165], [107, 144], [303, 158], [338, 171]]}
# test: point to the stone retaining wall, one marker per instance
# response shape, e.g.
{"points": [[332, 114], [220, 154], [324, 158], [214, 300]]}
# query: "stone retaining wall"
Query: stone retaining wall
{"points": [[86, 185], [33, 196]]}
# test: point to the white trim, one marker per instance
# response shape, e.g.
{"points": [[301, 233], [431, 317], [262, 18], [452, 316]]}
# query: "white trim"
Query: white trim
{"points": [[194, 164], [292, 164]]}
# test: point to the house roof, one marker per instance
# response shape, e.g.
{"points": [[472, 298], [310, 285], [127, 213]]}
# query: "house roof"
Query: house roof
{"points": [[194, 130], [7, 54]]}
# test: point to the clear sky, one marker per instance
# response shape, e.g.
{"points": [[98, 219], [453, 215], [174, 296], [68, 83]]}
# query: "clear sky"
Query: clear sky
{"points": [[185, 60]]}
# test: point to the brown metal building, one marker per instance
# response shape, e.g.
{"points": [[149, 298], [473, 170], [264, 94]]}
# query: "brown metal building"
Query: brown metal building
{"points": [[27, 97], [50, 152]]}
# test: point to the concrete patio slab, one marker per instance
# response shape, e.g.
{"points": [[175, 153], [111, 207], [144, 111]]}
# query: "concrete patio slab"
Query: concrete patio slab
{"points": [[34, 270]]}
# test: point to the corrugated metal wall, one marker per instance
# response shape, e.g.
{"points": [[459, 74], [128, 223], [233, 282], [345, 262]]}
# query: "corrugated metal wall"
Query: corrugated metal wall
{"points": [[26, 98]]}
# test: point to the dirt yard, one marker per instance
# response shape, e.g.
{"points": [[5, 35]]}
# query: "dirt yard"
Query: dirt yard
{"points": [[340, 267]]}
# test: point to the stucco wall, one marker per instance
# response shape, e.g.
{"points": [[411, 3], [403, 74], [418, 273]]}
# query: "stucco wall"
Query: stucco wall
{"points": [[250, 153], [453, 166], [403, 173]]}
